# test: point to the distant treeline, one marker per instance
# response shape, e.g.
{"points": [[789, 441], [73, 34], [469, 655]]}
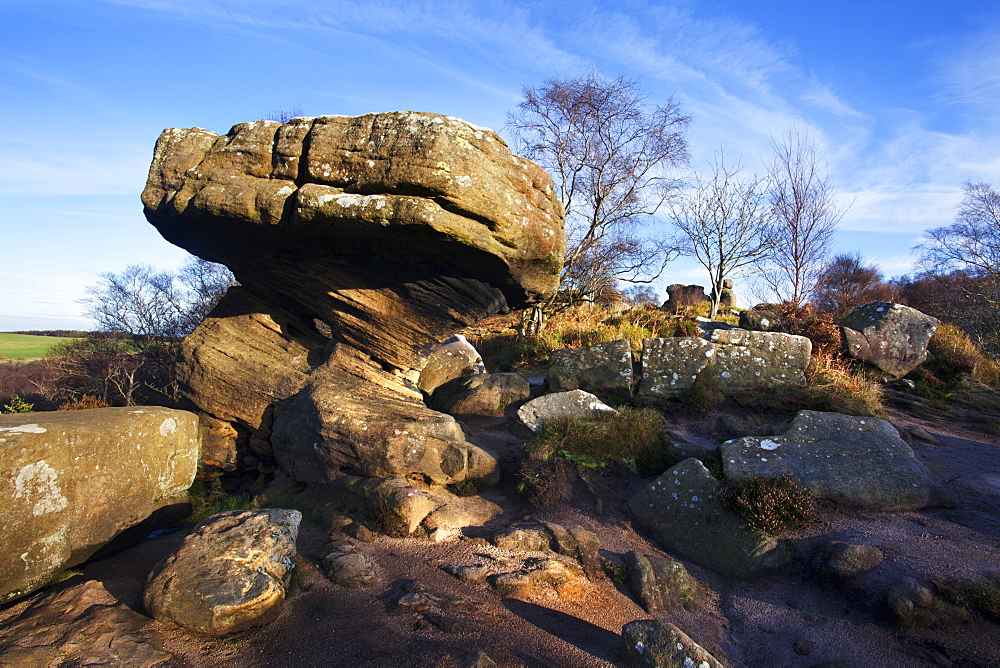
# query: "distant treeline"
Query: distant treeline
{"points": [[65, 333]]}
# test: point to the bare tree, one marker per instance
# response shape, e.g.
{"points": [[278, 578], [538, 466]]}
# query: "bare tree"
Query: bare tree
{"points": [[610, 159], [142, 314], [805, 218], [725, 223], [846, 283], [972, 242]]}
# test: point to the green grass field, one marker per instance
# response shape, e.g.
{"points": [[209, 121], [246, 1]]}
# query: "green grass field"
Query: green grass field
{"points": [[15, 346]]}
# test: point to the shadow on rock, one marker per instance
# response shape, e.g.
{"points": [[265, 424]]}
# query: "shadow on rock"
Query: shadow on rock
{"points": [[580, 633]]}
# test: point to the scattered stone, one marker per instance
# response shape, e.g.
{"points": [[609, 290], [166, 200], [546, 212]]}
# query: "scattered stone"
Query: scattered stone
{"points": [[604, 370], [651, 642], [906, 594], [575, 403], [804, 647], [541, 577], [922, 434], [402, 506], [76, 480], [392, 231], [82, 625], [360, 532], [477, 659], [348, 567], [682, 512], [839, 559], [231, 573], [889, 336], [473, 574], [455, 358], [903, 384], [569, 540], [660, 583], [852, 460]]}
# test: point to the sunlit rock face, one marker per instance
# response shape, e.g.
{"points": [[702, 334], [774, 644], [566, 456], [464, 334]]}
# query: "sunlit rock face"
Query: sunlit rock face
{"points": [[360, 244]]}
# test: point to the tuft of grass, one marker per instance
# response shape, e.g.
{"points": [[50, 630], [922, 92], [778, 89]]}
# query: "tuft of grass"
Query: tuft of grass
{"points": [[631, 436], [770, 505], [981, 596], [205, 506], [953, 358], [467, 487]]}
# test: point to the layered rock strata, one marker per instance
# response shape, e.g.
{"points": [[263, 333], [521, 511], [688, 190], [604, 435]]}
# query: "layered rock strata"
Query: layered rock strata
{"points": [[360, 244]]}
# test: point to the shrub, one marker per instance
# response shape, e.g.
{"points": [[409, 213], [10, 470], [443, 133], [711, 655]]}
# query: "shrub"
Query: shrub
{"points": [[770, 505], [17, 405], [819, 328], [632, 436], [86, 402], [954, 356], [546, 483]]}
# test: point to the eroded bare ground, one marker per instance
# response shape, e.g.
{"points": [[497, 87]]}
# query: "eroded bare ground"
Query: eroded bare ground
{"points": [[97, 617]]}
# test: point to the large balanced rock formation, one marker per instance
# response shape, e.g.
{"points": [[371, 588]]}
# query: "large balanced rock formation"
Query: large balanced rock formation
{"points": [[360, 244], [72, 481]]}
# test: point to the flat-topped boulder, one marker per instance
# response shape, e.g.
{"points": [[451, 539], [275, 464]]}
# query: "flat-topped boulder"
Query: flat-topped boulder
{"points": [[858, 461], [75, 480], [360, 245], [733, 358]]}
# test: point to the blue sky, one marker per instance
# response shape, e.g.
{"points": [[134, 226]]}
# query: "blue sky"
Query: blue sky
{"points": [[903, 99]]}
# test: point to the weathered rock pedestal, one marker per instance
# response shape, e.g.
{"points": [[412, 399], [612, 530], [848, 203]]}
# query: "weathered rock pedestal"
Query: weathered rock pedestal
{"points": [[360, 244]]}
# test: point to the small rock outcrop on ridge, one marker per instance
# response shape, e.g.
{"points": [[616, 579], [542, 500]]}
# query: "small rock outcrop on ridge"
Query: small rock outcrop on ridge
{"points": [[75, 480], [360, 244]]}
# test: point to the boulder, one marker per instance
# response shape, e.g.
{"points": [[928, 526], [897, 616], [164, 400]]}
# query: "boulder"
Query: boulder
{"points": [[360, 244], [604, 370], [455, 358], [761, 318], [569, 540], [75, 480], [347, 567], [734, 359], [889, 336], [660, 583], [651, 642], [843, 560], [727, 296], [682, 512], [746, 360], [851, 460], [906, 595], [231, 573], [483, 394], [670, 366], [575, 403]]}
